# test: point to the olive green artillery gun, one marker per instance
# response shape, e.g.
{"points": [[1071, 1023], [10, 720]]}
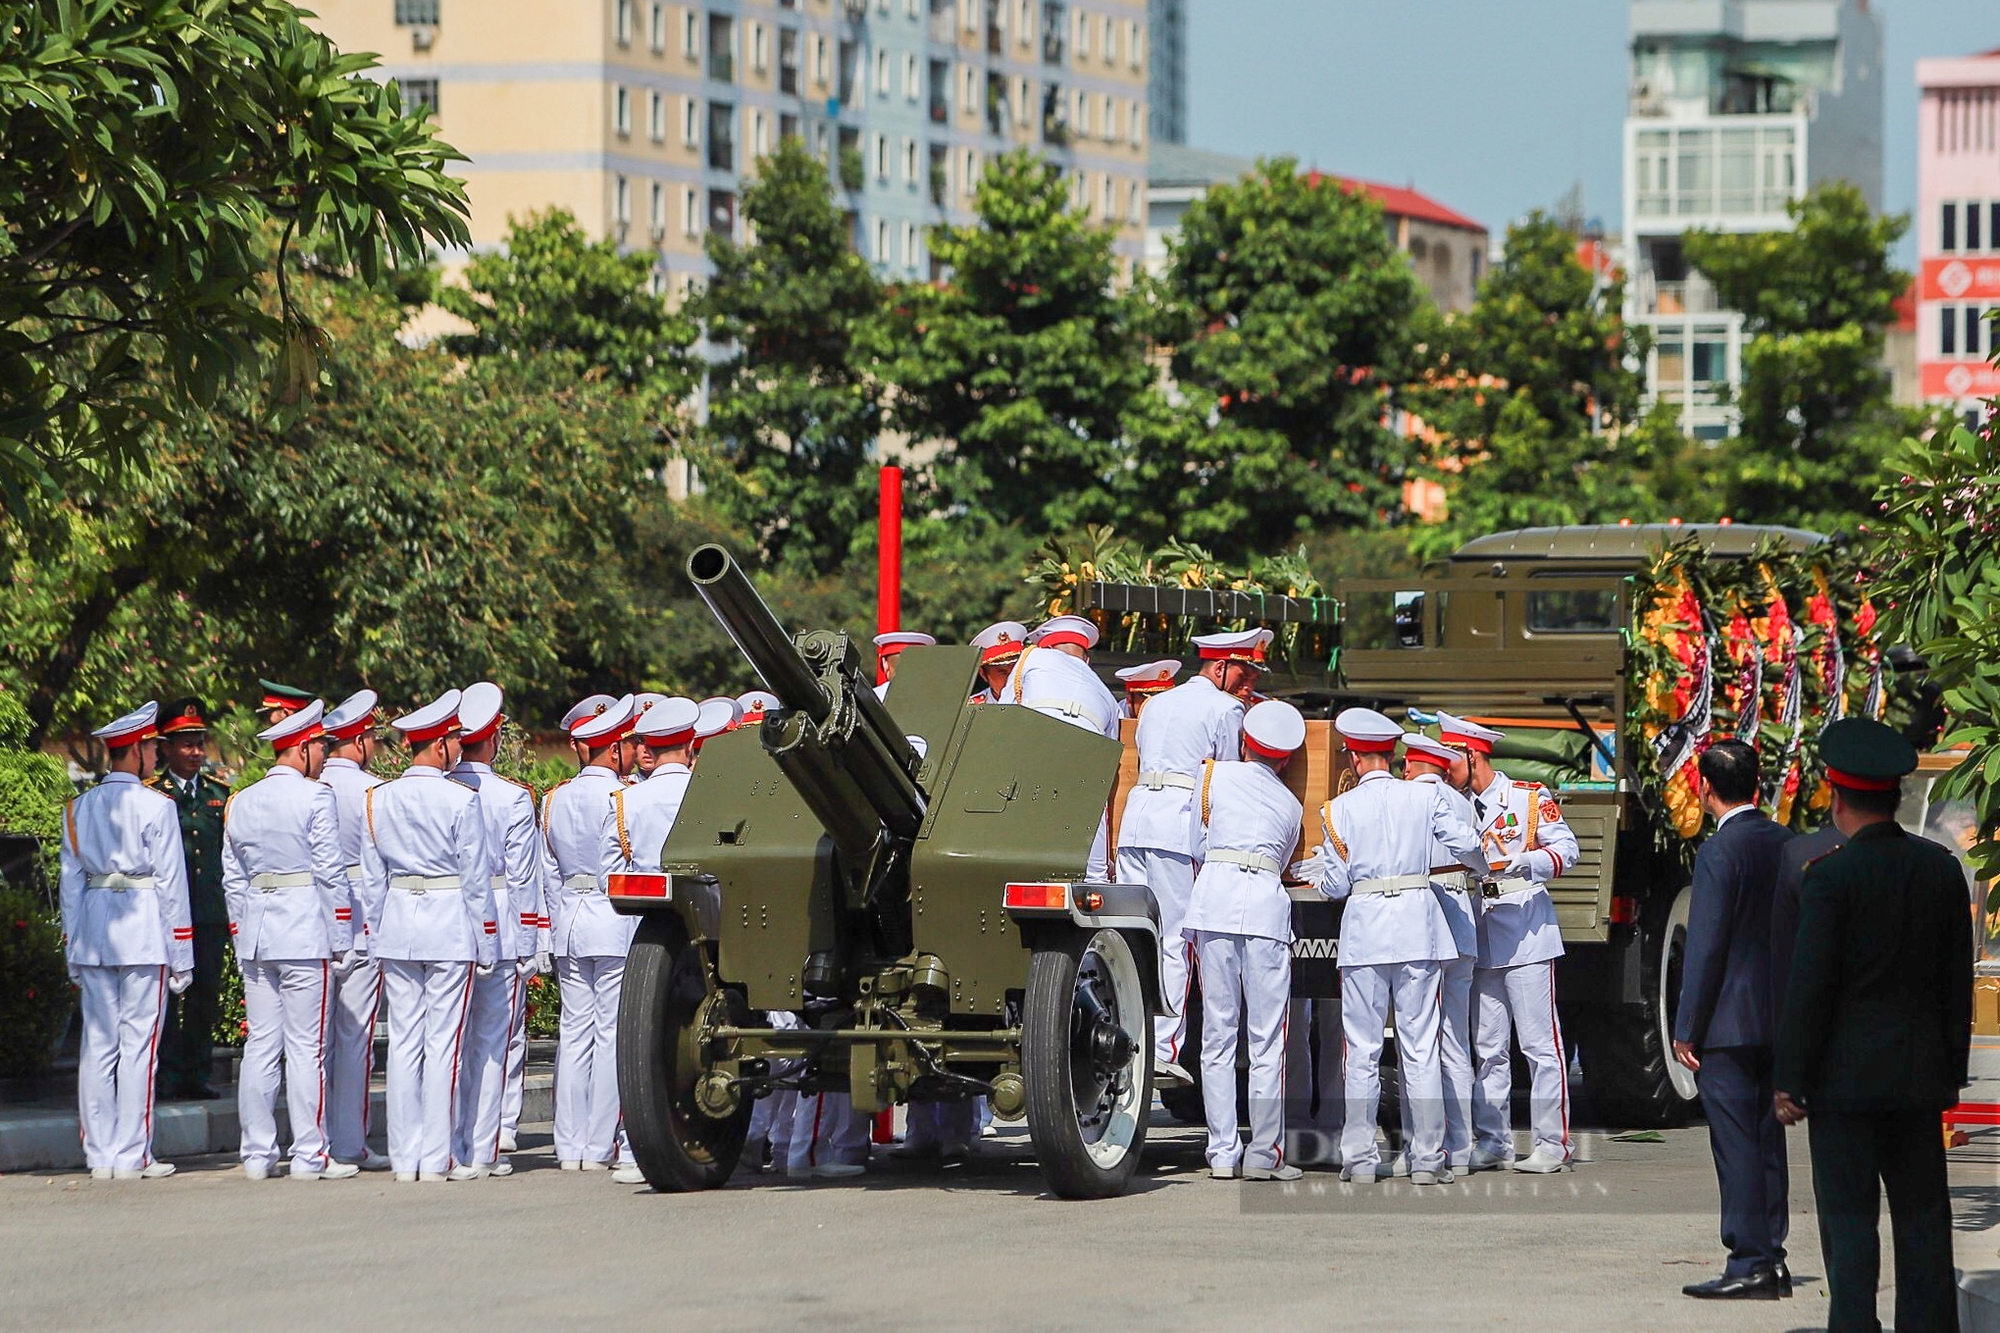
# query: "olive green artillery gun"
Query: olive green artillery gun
{"points": [[907, 880]]}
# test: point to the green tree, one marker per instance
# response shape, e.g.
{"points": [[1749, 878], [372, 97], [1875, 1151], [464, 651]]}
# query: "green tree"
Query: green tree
{"points": [[145, 153], [1817, 422], [793, 410], [1290, 312], [1024, 360], [553, 289]]}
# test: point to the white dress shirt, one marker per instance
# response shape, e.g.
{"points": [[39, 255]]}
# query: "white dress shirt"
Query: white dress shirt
{"points": [[282, 875], [1181, 727], [1250, 835], [515, 865], [424, 831], [576, 820], [138, 917], [1384, 829]]}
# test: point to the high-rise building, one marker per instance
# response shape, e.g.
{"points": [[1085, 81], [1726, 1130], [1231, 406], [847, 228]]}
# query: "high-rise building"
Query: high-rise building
{"points": [[1737, 108], [1958, 231], [1166, 79], [645, 118]]}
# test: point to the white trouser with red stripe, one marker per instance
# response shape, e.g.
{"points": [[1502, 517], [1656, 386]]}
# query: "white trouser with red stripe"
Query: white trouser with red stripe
{"points": [[1367, 994], [122, 1011], [1519, 1002], [427, 1009], [1170, 875], [1245, 979], [350, 1059], [288, 1007], [826, 1129], [588, 1128], [483, 1075], [1454, 1064], [517, 1064]]}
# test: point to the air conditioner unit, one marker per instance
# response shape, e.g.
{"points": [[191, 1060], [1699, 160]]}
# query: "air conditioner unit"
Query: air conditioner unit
{"points": [[421, 39]]}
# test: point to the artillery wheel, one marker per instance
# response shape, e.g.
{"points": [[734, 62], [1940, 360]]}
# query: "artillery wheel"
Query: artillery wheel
{"points": [[1628, 1062], [663, 1006], [1087, 1058]]}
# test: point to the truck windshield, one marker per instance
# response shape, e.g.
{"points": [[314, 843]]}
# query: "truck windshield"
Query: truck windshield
{"points": [[1574, 611]]}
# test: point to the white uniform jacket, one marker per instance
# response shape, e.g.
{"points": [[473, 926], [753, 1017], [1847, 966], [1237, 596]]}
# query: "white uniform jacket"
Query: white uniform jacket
{"points": [[643, 816], [1383, 829], [282, 875], [1460, 909], [1065, 688], [351, 784], [576, 820], [1520, 824], [515, 865], [1181, 727], [1244, 830], [425, 872], [124, 880]]}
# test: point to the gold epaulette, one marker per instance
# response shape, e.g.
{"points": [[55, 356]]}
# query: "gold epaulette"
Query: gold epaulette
{"points": [[1326, 820]]}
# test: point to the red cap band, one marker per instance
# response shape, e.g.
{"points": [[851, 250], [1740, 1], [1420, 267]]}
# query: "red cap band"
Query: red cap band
{"points": [[1853, 783], [1000, 652], [1232, 654], [425, 735], [610, 738], [144, 733], [1479, 743], [1425, 757], [1250, 744], [891, 649], [348, 731], [1368, 747], [485, 733], [1063, 638], [671, 740], [296, 739]]}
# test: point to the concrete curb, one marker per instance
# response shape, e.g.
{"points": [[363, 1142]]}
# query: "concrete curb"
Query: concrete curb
{"points": [[41, 1139]]}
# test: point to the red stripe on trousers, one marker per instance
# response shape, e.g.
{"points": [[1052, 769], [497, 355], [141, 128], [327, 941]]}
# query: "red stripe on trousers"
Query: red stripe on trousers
{"points": [[325, 1150], [457, 1041], [1562, 1063], [513, 999], [152, 1064]]}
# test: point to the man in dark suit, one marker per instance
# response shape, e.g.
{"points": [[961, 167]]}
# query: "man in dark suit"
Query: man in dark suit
{"points": [[1799, 853], [1876, 1034], [187, 1042], [1723, 1026]]}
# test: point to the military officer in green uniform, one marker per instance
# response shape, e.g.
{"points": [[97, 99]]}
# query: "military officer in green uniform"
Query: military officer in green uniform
{"points": [[1876, 1033], [188, 1041], [281, 701]]}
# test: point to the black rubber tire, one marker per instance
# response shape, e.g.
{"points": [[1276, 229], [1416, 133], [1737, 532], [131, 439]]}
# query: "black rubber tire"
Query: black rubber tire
{"points": [[1627, 1048], [677, 1145], [1069, 1165]]}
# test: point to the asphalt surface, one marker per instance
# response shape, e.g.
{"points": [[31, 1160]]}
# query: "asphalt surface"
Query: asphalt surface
{"points": [[1606, 1247]]}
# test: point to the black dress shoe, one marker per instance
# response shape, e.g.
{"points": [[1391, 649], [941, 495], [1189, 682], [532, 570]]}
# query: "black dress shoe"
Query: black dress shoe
{"points": [[1761, 1285], [1784, 1277], [200, 1092]]}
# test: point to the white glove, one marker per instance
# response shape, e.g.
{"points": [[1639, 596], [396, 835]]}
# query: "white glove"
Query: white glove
{"points": [[524, 967], [545, 963], [347, 962], [180, 981], [1305, 871], [75, 974], [484, 969]]}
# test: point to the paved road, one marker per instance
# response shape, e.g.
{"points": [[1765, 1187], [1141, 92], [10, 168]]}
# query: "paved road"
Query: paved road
{"points": [[1604, 1248]]}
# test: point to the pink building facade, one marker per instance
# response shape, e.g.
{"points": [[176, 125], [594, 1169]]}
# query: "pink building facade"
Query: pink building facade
{"points": [[1958, 230]]}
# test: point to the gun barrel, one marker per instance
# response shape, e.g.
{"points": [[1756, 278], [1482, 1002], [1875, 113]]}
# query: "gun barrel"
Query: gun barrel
{"points": [[722, 584]]}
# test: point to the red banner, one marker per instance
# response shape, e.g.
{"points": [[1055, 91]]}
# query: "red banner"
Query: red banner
{"points": [[1960, 379], [1969, 279]]}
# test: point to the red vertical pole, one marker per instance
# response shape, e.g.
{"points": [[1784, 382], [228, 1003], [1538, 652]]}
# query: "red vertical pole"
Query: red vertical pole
{"points": [[889, 558]]}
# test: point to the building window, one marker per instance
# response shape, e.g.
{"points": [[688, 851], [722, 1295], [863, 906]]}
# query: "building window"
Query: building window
{"points": [[624, 22], [417, 13], [690, 211], [1132, 202], [1023, 103], [1135, 44], [722, 212], [819, 59], [788, 125], [910, 161], [659, 213], [1106, 209], [760, 56], [656, 117], [788, 61], [970, 180], [418, 97], [722, 136], [760, 133], [970, 99], [1110, 40], [691, 35], [1082, 112], [910, 245], [1082, 36], [722, 48], [1136, 122], [1973, 317], [911, 8], [882, 157], [882, 240], [1948, 331], [912, 80], [621, 202], [621, 111], [1106, 125], [659, 29], [1948, 233], [691, 121], [1024, 23]]}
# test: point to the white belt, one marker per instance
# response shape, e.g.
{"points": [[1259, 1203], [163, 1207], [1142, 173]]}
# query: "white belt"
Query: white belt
{"points": [[497, 882], [354, 874], [118, 883], [1451, 881], [1155, 781], [422, 884], [1391, 885], [1514, 884], [582, 884], [271, 883], [1248, 860], [1068, 708]]}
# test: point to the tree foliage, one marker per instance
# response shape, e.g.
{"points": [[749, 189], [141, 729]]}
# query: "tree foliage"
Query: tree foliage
{"points": [[145, 151]]}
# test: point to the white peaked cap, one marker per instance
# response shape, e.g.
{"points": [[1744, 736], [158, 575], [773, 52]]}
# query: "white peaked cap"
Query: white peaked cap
{"points": [[595, 703], [431, 721], [352, 716], [904, 638], [479, 709], [135, 726], [1367, 731], [717, 715], [1240, 645], [1416, 742], [1150, 675], [605, 727], [1458, 731], [1066, 629], [669, 722], [296, 728], [642, 702], [1274, 729], [758, 701]]}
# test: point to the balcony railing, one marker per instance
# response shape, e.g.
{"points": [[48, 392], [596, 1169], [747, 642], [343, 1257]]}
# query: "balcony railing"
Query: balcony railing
{"points": [[788, 79], [722, 67], [721, 153], [1692, 297]]}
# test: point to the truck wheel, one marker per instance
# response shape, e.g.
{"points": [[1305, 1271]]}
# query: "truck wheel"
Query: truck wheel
{"points": [[1628, 1049], [663, 1005], [1087, 1058]]}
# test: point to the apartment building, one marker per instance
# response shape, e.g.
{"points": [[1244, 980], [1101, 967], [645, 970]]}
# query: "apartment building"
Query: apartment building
{"points": [[645, 118], [1737, 107], [1958, 231], [1166, 73]]}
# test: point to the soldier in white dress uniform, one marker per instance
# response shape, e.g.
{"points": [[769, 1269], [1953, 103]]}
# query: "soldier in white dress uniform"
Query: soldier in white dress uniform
{"points": [[999, 646], [890, 646], [1144, 681], [642, 756], [590, 941], [426, 876], [1514, 987], [291, 918], [717, 716], [1053, 676], [496, 1032], [1244, 829], [350, 1041], [129, 940], [1393, 938], [1430, 762], [1182, 728], [754, 704]]}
